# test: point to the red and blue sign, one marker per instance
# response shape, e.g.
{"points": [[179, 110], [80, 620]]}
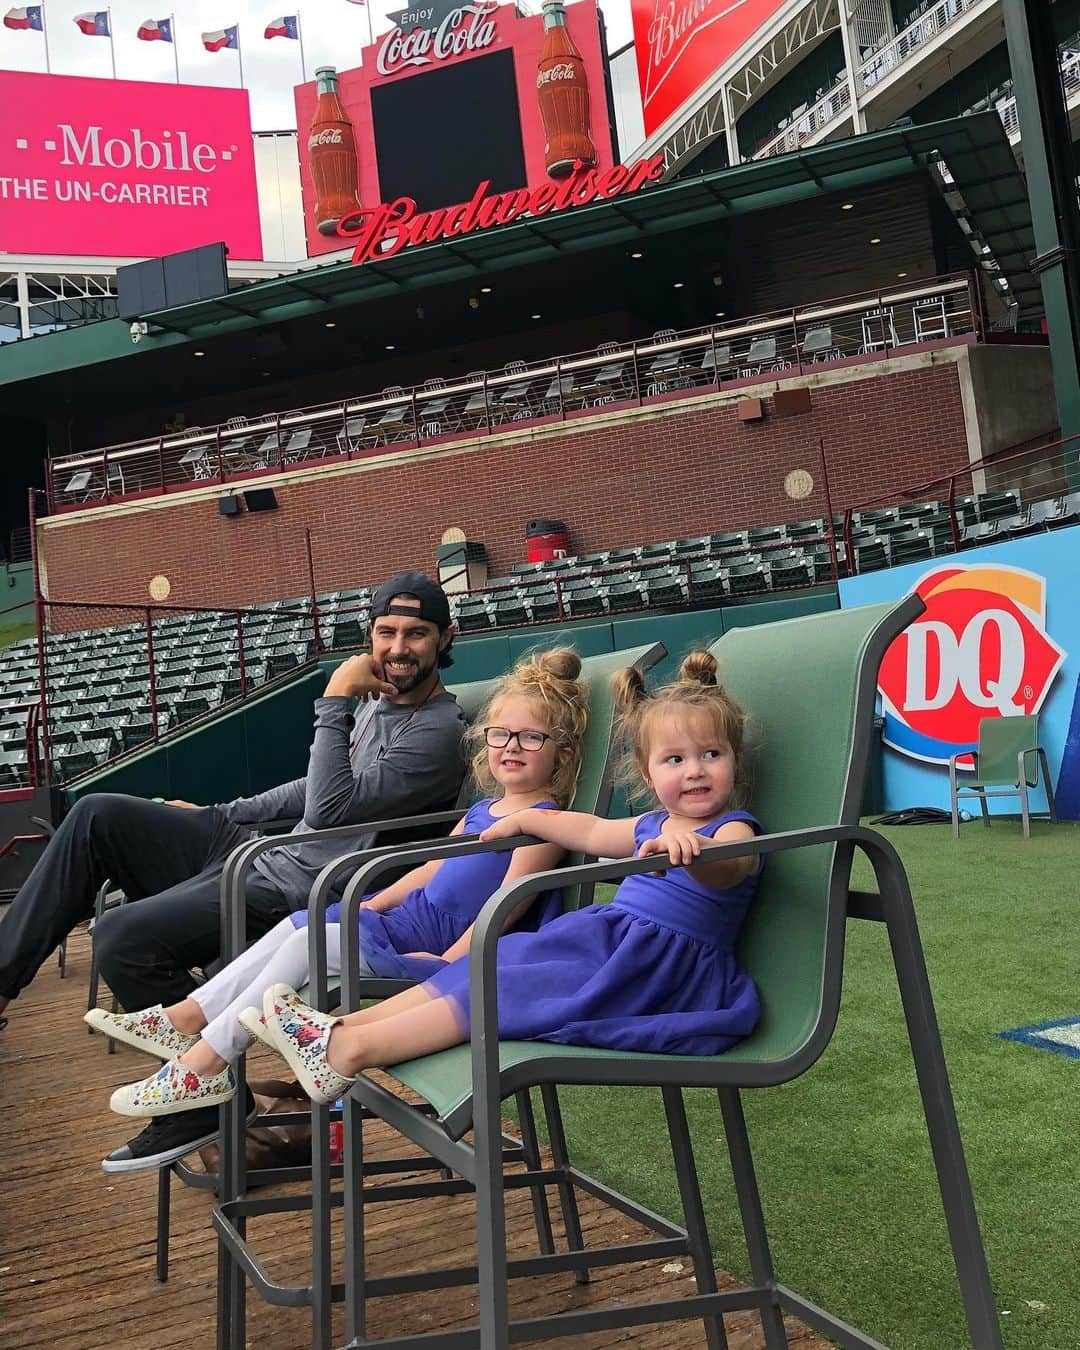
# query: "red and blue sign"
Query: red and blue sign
{"points": [[981, 649], [1000, 636]]}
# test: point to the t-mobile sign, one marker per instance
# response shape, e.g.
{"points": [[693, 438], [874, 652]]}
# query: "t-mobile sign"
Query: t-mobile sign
{"points": [[119, 168]]}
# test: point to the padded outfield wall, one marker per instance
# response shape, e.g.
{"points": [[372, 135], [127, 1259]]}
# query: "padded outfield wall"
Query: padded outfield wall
{"points": [[685, 467], [1000, 636]]}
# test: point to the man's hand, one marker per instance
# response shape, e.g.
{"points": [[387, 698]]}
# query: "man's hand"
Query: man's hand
{"points": [[359, 677], [427, 956], [187, 806]]}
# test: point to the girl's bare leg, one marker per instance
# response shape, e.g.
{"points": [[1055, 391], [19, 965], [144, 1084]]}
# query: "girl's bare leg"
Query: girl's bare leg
{"points": [[389, 1007], [421, 1029]]}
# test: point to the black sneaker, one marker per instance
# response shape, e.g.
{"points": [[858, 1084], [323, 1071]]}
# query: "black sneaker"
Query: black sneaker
{"points": [[167, 1139]]}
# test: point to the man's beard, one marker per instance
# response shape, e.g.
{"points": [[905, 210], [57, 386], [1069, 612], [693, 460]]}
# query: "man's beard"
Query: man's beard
{"points": [[407, 681]]}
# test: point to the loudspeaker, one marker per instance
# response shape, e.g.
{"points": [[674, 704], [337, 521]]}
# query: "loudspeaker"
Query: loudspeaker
{"points": [[229, 506], [789, 402], [260, 499]]}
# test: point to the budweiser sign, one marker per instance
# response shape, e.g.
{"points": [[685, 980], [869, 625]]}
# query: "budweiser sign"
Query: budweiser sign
{"points": [[384, 230], [469, 28]]}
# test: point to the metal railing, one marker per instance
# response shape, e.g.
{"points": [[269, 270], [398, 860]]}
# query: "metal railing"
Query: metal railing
{"points": [[670, 364], [1070, 79], [907, 43], [804, 126]]}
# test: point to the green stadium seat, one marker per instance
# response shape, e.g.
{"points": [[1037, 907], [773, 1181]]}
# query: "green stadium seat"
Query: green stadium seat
{"points": [[748, 578]]}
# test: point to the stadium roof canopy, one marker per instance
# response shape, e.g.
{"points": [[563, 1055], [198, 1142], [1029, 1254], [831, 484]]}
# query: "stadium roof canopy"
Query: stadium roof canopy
{"points": [[986, 188]]}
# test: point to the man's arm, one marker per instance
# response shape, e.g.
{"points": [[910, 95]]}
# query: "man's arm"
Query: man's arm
{"points": [[419, 771], [285, 802]]}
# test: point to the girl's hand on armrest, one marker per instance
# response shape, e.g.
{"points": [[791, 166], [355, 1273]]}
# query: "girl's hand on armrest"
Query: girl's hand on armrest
{"points": [[681, 846]]}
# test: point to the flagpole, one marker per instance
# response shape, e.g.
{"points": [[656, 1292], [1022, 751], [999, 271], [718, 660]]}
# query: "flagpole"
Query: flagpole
{"points": [[240, 56], [175, 50], [370, 31], [45, 35], [112, 44], [300, 37]]}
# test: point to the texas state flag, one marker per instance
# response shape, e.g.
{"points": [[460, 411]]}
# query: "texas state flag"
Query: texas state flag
{"points": [[221, 37], [288, 26], [26, 16], [94, 23], [156, 30]]}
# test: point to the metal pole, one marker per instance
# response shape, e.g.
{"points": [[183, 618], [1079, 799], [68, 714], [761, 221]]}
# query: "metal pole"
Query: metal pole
{"points": [[240, 651], [829, 509], [150, 668], [1055, 212], [314, 597], [39, 624]]}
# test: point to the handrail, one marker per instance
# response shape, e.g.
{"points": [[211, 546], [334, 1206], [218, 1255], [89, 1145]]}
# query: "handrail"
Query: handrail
{"points": [[835, 102], [489, 386], [894, 53]]}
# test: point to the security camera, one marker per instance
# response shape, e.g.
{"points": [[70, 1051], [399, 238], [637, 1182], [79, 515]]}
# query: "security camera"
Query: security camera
{"points": [[139, 331]]}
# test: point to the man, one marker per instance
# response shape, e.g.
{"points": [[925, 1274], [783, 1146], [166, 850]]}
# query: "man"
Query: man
{"points": [[402, 756]]}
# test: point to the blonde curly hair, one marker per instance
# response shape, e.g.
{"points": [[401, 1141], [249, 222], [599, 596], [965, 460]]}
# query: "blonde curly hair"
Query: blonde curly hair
{"points": [[550, 680], [696, 689]]}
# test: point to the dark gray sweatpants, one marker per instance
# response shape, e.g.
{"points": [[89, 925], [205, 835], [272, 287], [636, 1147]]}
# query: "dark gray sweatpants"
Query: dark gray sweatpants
{"points": [[167, 859]]}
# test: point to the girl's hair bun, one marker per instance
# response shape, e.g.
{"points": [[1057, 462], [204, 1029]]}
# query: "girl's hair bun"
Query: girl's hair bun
{"points": [[699, 667], [628, 686], [561, 663]]}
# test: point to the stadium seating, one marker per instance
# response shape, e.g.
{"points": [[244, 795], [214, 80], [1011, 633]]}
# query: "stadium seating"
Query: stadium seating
{"points": [[98, 682]]}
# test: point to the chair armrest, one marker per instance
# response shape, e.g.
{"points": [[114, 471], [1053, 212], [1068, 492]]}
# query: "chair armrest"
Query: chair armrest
{"points": [[239, 863], [895, 896]]}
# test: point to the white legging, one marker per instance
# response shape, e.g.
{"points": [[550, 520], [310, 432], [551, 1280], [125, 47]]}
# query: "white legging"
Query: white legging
{"points": [[279, 957]]}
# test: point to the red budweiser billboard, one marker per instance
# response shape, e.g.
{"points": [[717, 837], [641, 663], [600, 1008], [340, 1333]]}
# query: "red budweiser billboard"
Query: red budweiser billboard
{"points": [[682, 43], [453, 96], [118, 168]]}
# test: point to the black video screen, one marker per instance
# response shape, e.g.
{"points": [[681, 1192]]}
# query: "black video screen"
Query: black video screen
{"points": [[439, 134]]}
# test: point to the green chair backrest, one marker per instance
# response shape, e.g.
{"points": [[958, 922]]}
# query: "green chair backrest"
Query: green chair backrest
{"points": [[1001, 739], [594, 786], [809, 699]]}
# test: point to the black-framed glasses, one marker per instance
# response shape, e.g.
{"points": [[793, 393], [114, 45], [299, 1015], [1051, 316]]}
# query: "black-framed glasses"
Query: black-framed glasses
{"points": [[500, 737]]}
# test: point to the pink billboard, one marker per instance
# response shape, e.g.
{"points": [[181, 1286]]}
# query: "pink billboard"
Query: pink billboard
{"points": [[119, 168]]}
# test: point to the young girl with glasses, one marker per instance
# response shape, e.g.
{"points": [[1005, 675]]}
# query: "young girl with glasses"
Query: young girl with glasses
{"points": [[654, 970], [527, 746]]}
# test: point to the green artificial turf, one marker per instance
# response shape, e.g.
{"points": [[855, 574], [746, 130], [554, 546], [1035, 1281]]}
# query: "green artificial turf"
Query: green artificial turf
{"points": [[843, 1159]]}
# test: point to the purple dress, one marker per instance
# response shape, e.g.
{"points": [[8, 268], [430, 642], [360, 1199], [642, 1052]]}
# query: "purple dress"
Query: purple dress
{"points": [[652, 971], [433, 917]]}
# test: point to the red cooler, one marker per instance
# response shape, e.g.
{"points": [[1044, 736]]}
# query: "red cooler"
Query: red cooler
{"points": [[546, 539]]}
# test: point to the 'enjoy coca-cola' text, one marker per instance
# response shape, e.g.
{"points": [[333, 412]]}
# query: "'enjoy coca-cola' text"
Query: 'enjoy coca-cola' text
{"points": [[467, 29], [386, 229]]}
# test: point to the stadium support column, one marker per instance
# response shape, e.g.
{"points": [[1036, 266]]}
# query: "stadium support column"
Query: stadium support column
{"points": [[851, 60], [729, 128], [1055, 213]]}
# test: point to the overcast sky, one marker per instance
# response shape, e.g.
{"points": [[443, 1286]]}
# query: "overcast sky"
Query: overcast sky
{"points": [[334, 31]]}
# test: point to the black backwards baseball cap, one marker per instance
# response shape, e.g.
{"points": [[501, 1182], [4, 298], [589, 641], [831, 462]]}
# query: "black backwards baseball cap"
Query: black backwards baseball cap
{"points": [[434, 606]]}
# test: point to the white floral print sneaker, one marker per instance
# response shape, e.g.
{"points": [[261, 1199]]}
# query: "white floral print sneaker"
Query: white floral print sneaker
{"points": [[149, 1030], [254, 1023], [301, 1034], [172, 1088]]}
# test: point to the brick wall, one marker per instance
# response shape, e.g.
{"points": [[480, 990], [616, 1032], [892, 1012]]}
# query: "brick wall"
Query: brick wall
{"points": [[635, 476]]}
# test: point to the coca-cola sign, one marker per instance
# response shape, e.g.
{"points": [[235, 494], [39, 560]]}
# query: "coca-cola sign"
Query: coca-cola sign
{"points": [[563, 71], [384, 230], [469, 28], [327, 136], [682, 43]]}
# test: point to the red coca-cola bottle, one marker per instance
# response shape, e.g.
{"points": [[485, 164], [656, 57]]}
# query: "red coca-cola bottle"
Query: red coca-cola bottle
{"points": [[332, 151], [562, 89]]}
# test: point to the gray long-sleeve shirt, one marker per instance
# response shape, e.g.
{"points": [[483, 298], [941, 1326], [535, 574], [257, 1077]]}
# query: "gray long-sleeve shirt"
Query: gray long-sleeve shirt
{"points": [[394, 760]]}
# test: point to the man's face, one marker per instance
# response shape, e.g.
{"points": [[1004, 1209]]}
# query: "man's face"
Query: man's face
{"points": [[406, 650]]}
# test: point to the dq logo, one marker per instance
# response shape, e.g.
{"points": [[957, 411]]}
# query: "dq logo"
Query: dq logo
{"points": [[980, 650]]}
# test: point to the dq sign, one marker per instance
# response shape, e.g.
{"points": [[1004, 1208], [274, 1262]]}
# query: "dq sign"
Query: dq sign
{"points": [[980, 650]]}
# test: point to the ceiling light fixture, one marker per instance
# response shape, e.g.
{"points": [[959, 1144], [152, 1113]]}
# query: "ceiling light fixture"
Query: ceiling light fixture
{"points": [[636, 254], [485, 290], [875, 240], [901, 274], [389, 346], [720, 313], [329, 325], [847, 206], [536, 316], [198, 353]]}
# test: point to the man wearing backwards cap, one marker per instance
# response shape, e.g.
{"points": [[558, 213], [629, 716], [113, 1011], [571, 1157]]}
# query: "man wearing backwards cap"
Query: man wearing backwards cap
{"points": [[400, 756]]}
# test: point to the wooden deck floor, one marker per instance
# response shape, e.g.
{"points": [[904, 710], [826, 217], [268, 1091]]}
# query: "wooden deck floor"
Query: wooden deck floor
{"points": [[77, 1246]]}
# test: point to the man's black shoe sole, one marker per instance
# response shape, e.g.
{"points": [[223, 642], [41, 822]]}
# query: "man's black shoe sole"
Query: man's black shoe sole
{"points": [[153, 1161]]}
